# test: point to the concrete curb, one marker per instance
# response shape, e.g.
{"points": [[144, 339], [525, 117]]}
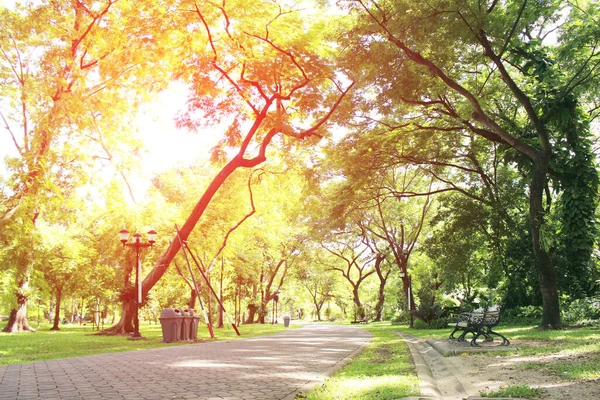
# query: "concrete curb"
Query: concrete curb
{"points": [[448, 349], [438, 375], [427, 384]]}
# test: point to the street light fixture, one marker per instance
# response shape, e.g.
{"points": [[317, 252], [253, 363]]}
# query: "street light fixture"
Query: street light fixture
{"points": [[275, 300], [137, 244]]}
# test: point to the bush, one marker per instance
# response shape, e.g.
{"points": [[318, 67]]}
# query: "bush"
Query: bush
{"points": [[401, 317], [528, 315], [581, 310], [420, 324], [440, 323]]}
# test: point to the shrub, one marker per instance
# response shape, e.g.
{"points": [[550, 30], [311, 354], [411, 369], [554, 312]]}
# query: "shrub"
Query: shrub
{"points": [[401, 317], [420, 324], [523, 315], [440, 323], [581, 310]]}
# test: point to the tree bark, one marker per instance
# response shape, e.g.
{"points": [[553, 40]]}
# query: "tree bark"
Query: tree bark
{"points": [[17, 321], [252, 308], [382, 282], [356, 298], [125, 324], [380, 302], [318, 308], [220, 309], [56, 326], [546, 273]]}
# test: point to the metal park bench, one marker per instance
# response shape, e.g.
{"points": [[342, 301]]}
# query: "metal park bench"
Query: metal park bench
{"points": [[479, 322]]}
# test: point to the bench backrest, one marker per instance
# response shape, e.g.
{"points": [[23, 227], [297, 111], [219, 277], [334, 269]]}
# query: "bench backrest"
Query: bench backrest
{"points": [[492, 317]]}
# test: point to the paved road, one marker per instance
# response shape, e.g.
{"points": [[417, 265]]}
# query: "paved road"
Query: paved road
{"points": [[268, 367]]}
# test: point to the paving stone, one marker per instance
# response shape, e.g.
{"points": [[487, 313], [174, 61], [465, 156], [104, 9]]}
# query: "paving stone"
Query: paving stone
{"points": [[265, 368]]}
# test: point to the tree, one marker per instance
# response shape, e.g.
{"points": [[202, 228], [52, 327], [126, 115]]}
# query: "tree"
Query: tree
{"points": [[261, 78], [482, 68], [63, 69], [357, 263]]}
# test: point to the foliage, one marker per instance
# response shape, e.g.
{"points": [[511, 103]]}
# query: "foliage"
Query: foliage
{"points": [[512, 89], [522, 315], [581, 310]]}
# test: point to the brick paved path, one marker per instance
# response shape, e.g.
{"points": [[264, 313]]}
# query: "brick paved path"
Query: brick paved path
{"points": [[268, 367]]}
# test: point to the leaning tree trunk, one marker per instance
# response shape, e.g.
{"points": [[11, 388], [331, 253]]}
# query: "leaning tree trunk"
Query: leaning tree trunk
{"points": [[546, 273], [165, 260], [125, 324], [238, 161]]}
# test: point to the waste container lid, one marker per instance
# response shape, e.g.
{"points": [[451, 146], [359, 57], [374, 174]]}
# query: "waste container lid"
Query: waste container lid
{"points": [[170, 313]]}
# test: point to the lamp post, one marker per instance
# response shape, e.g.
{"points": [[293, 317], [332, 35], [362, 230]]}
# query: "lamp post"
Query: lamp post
{"points": [[275, 300], [137, 245]]}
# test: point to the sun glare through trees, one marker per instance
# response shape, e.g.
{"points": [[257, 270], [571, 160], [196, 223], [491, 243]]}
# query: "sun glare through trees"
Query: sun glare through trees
{"points": [[350, 160]]}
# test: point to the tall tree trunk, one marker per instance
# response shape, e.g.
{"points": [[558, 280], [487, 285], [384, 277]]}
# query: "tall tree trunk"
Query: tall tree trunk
{"points": [[220, 309], [359, 308], [382, 282], [125, 324], [17, 321], [546, 273], [380, 301], [319, 307], [193, 297], [252, 308], [209, 300], [56, 326], [263, 312]]}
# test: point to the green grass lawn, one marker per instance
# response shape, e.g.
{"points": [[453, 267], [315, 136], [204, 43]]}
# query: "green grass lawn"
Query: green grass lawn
{"points": [[383, 371], [74, 340], [577, 348]]}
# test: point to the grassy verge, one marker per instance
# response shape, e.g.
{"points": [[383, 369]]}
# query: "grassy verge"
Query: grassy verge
{"points": [[383, 371], [521, 392], [572, 353], [75, 340]]}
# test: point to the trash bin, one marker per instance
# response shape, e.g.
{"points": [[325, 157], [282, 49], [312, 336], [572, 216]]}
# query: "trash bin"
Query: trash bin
{"points": [[170, 321], [194, 323], [286, 321], [185, 325]]}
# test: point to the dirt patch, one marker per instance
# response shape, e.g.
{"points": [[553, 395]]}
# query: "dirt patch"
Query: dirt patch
{"points": [[382, 354], [491, 372]]}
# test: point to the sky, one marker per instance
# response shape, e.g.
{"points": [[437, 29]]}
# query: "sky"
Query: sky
{"points": [[166, 145]]}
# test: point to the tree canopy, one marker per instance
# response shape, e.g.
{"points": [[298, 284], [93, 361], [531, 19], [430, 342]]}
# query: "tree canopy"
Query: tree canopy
{"points": [[367, 153]]}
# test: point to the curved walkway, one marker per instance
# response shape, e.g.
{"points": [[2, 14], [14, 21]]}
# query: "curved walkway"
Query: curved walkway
{"points": [[267, 367]]}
